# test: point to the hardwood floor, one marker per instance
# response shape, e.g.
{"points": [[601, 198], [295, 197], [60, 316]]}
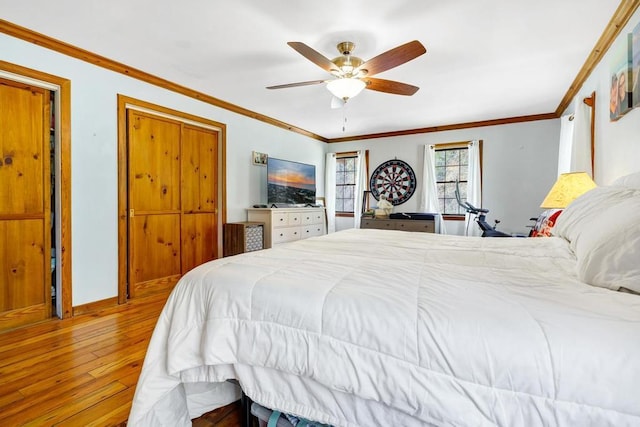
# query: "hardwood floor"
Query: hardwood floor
{"points": [[82, 371]]}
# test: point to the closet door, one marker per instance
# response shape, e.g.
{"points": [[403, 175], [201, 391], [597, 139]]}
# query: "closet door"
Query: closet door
{"points": [[154, 203], [199, 192], [172, 200], [25, 217]]}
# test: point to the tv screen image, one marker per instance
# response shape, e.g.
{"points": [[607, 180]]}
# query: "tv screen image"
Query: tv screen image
{"points": [[291, 183]]}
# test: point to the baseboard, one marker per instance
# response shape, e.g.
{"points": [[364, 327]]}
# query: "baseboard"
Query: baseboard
{"points": [[95, 306]]}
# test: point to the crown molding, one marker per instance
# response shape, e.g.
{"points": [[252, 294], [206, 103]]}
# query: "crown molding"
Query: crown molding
{"points": [[101, 61], [618, 21]]}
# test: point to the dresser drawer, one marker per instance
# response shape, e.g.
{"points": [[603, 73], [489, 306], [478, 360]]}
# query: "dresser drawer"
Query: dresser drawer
{"points": [[420, 226], [376, 223], [312, 230], [286, 234], [294, 218], [423, 226], [312, 218], [280, 219]]}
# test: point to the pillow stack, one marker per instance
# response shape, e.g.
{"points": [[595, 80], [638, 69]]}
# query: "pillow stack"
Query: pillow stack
{"points": [[603, 229]]}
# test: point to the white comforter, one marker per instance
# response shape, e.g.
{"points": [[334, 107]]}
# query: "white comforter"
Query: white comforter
{"points": [[371, 327]]}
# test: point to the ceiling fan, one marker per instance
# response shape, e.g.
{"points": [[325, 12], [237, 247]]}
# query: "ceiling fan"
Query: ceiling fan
{"points": [[352, 74]]}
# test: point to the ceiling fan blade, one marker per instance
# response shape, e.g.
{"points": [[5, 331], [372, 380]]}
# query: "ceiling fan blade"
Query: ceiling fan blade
{"points": [[309, 83], [389, 86], [394, 57], [313, 56]]}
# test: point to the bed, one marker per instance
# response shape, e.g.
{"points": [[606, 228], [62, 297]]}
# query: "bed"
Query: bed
{"points": [[392, 328]]}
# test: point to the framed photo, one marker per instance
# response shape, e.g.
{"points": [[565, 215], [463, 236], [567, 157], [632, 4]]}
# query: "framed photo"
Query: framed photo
{"points": [[259, 159], [635, 65], [621, 79]]}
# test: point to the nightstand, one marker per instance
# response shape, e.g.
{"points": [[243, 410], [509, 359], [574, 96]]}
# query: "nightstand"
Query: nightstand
{"points": [[241, 237]]}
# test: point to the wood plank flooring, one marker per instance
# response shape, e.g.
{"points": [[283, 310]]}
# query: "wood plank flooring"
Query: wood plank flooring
{"points": [[82, 371]]}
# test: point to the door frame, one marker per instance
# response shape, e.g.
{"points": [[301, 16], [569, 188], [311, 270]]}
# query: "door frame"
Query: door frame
{"points": [[62, 107], [125, 103]]}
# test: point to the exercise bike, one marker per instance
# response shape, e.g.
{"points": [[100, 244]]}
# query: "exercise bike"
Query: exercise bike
{"points": [[480, 217]]}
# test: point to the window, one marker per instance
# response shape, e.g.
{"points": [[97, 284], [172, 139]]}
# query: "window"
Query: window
{"points": [[452, 165], [345, 183]]}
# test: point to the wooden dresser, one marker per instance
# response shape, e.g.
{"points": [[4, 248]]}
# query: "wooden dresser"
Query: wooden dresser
{"points": [[419, 225], [288, 224]]}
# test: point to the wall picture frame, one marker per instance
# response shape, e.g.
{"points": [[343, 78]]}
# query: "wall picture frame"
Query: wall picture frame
{"points": [[259, 159], [635, 66], [621, 80]]}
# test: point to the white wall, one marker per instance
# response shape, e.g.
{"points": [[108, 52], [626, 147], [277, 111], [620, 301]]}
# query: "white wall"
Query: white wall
{"points": [[519, 159], [519, 167], [617, 145], [94, 157]]}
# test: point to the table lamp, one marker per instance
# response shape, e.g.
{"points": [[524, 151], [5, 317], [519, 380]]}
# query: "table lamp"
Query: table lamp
{"points": [[566, 189]]}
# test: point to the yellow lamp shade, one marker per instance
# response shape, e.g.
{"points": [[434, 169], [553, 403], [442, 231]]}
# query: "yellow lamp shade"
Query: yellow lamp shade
{"points": [[566, 189]]}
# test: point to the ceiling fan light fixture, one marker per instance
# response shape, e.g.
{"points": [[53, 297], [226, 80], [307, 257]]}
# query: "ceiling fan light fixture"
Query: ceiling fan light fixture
{"points": [[346, 88]]}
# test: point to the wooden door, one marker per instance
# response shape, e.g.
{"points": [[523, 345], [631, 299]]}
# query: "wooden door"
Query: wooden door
{"points": [[199, 191], [154, 203], [25, 203], [172, 200]]}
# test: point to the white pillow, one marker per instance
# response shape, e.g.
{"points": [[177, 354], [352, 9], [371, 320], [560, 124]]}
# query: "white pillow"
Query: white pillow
{"points": [[603, 229], [629, 181]]}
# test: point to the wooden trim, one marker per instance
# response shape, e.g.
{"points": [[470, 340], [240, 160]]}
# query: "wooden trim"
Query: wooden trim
{"points": [[65, 196], [123, 103], [346, 154], [10, 217], [612, 30], [126, 100], [591, 102], [345, 214], [101, 61], [155, 286], [495, 122], [222, 186], [619, 19], [451, 217], [123, 166], [452, 145], [18, 317], [64, 95], [92, 307]]}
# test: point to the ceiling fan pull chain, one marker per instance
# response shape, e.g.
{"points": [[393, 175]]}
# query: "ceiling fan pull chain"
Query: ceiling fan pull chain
{"points": [[344, 118]]}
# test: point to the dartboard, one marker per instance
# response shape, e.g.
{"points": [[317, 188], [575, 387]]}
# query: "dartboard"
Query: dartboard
{"points": [[393, 179]]}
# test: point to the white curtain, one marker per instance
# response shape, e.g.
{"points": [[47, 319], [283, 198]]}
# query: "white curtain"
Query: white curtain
{"points": [[474, 190], [330, 191], [429, 192], [574, 153], [361, 185]]}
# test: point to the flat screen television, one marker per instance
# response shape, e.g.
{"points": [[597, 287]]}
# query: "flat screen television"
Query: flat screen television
{"points": [[290, 183]]}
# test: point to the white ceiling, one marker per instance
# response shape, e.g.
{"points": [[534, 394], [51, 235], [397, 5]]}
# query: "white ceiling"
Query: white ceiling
{"points": [[486, 59]]}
